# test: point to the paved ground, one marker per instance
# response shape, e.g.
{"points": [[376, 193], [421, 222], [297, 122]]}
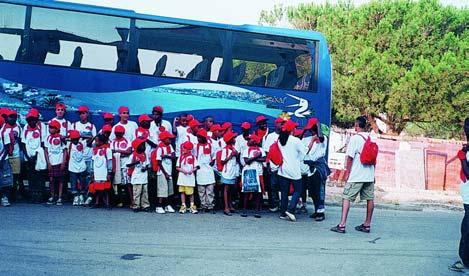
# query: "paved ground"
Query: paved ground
{"points": [[36, 239]]}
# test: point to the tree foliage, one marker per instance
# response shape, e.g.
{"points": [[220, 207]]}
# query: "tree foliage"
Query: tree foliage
{"points": [[397, 60]]}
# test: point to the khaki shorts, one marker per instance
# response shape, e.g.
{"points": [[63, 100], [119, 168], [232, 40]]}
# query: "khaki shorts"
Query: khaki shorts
{"points": [[15, 164], [366, 190], [164, 187], [186, 189]]}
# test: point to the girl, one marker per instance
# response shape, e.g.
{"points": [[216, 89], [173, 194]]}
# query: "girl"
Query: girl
{"points": [[102, 170], [253, 157], [11, 134], [230, 171], [77, 167], [6, 177], [56, 156], [138, 170], [186, 165], [161, 159], [205, 176]]}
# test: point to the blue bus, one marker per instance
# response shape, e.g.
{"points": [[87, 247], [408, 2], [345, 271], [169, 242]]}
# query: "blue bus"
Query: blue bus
{"points": [[104, 58]]}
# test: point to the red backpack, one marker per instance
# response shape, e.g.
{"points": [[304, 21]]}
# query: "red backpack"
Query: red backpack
{"points": [[369, 152], [218, 160]]}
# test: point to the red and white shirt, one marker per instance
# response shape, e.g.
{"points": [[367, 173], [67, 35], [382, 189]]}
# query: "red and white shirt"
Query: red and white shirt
{"points": [[65, 126], [12, 134], [163, 150], [33, 137], [250, 152], [231, 168], [77, 163], [86, 130], [55, 149], [124, 145], [205, 154], [130, 128], [101, 158], [187, 162]]}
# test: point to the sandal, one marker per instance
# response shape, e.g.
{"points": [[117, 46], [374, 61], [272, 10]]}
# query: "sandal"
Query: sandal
{"points": [[363, 228], [227, 213], [338, 229]]}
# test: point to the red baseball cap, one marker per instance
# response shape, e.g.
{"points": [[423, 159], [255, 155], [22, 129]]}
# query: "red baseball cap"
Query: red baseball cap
{"points": [[255, 138], [194, 123], [189, 117], [60, 105], [215, 127], [260, 118], [202, 132], [83, 108], [246, 125], [107, 128], [123, 109], [2, 121], [33, 112], [229, 135], [311, 122], [137, 142], [165, 135], [226, 125], [10, 112], [158, 109], [279, 120], [119, 129], [55, 124], [143, 118], [298, 132], [74, 134], [289, 126], [108, 115], [187, 145]]}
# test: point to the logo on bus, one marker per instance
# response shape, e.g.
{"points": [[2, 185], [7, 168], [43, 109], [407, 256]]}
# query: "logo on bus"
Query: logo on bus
{"points": [[303, 107]]}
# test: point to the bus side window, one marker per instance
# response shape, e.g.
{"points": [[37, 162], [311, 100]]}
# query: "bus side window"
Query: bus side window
{"points": [[12, 18]]}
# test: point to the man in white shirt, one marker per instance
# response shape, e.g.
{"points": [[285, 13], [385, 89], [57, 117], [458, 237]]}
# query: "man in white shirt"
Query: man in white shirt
{"points": [[360, 179], [157, 123], [293, 151]]}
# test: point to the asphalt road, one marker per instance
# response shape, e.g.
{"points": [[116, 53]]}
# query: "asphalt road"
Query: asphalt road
{"points": [[41, 240]]}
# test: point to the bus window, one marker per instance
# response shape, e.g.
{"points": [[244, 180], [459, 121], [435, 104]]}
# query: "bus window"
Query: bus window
{"points": [[255, 73], [12, 18], [76, 39]]}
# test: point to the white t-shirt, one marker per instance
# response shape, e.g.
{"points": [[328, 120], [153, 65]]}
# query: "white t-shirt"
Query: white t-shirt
{"points": [[166, 163], [231, 168], [293, 153], [249, 153], [187, 164], [122, 144], [269, 140], [4, 141], [32, 138], [205, 154], [87, 129], [359, 172], [155, 130], [139, 177], [241, 143], [77, 158], [15, 132], [129, 134], [65, 126], [55, 149], [464, 187], [101, 157], [317, 151], [180, 138]]}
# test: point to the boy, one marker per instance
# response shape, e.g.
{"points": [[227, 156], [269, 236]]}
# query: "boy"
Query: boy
{"points": [[230, 171], [161, 159], [77, 167], [186, 165], [11, 134], [180, 130], [138, 168], [6, 179], [108, 119], [87, 131], [242, 139], [33, 138], [56, 156], [205, 175], [130, 126], [102, 170], [121, 151], [158, 122], [60, 110]]}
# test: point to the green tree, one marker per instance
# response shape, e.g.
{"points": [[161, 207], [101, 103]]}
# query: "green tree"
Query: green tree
{"points": [[399, 61]]}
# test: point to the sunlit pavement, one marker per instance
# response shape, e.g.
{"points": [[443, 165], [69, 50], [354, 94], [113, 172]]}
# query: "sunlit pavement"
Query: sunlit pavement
{"points": [[42, 240]]}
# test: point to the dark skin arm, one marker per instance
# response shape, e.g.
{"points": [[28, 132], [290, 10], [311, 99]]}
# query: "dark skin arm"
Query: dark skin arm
{"points": [[464, 163]]}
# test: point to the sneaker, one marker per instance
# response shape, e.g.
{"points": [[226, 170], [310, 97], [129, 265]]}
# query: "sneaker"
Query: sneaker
{"points": [[120, 205], [88, 201], [50, 201], [320, 217], [303, 209], [244, 214], [5, 202], [183, 209], [193, 209], [274, 209], [81, 200], [321, 210], [76, 200], [290, 216], [160, 210], [59, 202], [284, 217], [257, 215], [169, 209]]}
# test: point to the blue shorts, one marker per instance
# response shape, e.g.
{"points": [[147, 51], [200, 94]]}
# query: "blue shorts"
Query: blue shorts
{"points": [[228, 181]]}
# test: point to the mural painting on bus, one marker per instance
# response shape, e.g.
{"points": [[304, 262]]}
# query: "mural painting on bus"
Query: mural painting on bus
{"points": [[177, 98]]}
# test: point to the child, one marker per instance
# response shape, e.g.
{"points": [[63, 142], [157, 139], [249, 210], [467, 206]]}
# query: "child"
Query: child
{"points": [[121, 151], [60, 110], [253, 157], [11, 134], [230, 171], [242, 139], [102, 170], [6, 180], [186, 165], [108, 119], [217, 144], [139, 176], [56, 156], [106, 130], [33, 138], [161, 159], [130, 126], [205, 175], [77, 167], [180, 130], [87, 131]]}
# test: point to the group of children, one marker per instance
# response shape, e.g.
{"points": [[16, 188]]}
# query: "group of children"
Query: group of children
{"points": [[148, 158]]}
